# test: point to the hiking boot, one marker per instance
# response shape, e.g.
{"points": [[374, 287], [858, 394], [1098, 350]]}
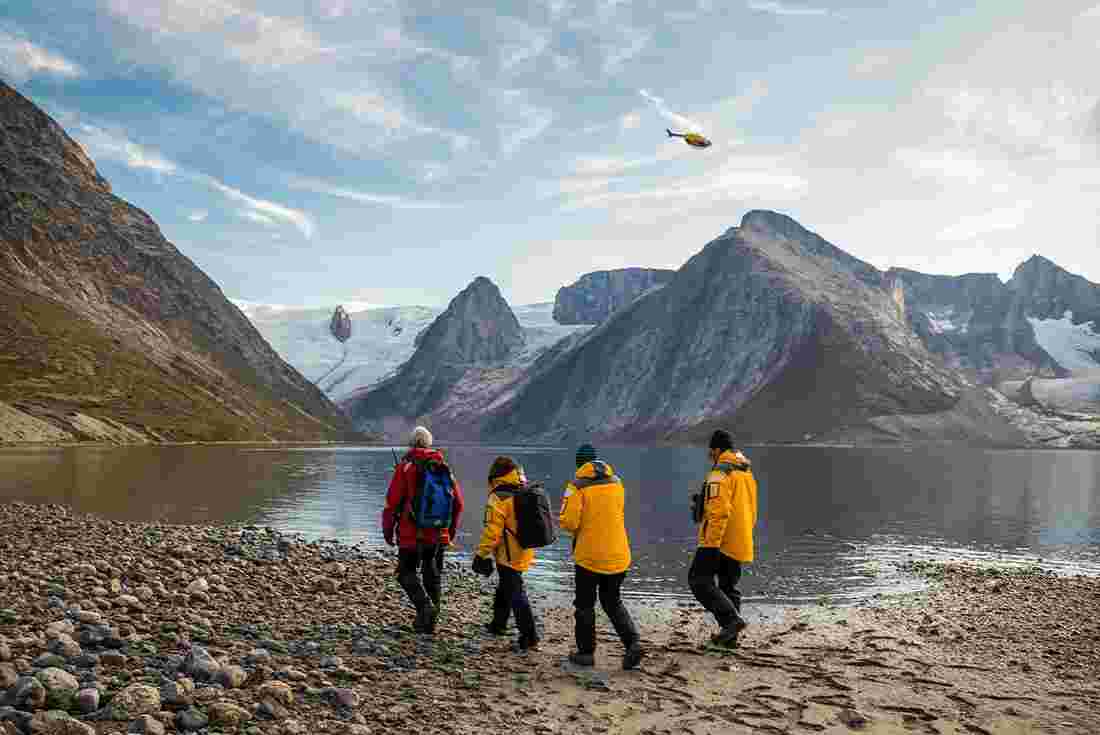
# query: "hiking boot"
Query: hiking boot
{"points": [[633, 656], [495, 630], [523, 645], [586, 660], [425, 619], [727, 636]]}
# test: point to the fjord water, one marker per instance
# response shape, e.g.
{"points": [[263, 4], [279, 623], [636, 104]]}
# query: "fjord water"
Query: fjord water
{"points": [[833, 522]]}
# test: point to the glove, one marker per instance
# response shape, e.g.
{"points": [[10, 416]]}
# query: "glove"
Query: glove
{"points": [[482, 565], [696, 508], [389, 537]]}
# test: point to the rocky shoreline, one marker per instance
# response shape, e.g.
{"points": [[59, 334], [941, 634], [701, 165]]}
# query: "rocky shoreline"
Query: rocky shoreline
{"points": [[111, 627]]}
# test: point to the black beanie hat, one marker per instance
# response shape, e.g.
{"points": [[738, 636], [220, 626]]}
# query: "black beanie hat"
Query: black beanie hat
{"points": [[501, 467], [721, 439], [585, 453]]}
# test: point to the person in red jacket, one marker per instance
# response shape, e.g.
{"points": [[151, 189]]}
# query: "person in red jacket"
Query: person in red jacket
{"points": [[420, 551]]}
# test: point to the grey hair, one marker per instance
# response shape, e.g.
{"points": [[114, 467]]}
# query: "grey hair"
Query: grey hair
{"points": [[420, 437]]}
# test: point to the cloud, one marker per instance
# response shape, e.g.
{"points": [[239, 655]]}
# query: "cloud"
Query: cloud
{"points": [[778, 8], [996, 220], [362, 197], [199, 216], [262, 207], [664, 111], [633, 41], [269, 65], [873, 63], [631, 121], [104, 144], [736, 179], [521, 121], [20, 60], [519, 42], [251, 37], [254, 216]]}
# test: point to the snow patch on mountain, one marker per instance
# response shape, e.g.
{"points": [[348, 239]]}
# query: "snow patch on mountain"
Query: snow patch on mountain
{"points": [[383, 338], [946, 321], [1076, 347]]}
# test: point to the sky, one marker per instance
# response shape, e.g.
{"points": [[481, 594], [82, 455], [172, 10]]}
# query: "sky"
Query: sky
{"points": [[312, 152]]}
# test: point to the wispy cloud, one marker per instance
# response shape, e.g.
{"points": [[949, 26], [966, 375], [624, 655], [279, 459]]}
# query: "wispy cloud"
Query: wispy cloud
{"points": [[114, 146], [101, 143], [740, 180], [20, 59], [667, 113], [519, 42], [521, 120], [632, 42], [199, 216], [272, 211], [254, 216], [997, 220], [246, 35], [362, 197], [778, 8]]}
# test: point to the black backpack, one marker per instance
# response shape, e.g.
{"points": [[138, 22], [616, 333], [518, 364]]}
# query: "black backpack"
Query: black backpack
{"points": [[534, 522]]}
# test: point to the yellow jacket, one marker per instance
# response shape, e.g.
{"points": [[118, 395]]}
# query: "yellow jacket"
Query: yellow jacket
{"points": [[729, 510], [500, 531], [592, 510]]}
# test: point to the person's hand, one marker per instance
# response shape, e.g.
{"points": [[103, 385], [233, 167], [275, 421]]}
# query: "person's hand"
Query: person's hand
{"points": [[482, 565]]}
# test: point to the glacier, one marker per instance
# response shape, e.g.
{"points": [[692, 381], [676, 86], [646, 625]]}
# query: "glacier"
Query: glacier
{"points": [[383, 338]]}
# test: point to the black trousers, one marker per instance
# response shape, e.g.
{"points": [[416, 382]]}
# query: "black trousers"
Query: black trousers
{"points": [[425, 562], [511, 597], [721, 599], [607, 588]]}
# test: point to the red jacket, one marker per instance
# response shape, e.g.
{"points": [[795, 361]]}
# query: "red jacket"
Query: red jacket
{"points": [[400, 495]]}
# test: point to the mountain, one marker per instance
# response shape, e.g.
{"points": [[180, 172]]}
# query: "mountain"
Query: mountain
{"points": [[463, 359], [1043, 322], [594, 296], [383, 338], [108, 331], [770, 331]]}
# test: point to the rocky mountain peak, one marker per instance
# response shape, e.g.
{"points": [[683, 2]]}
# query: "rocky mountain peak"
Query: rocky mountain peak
{"points": [[36, 146], [340, 325], [478, 327], [767, 221], [594, 296]]}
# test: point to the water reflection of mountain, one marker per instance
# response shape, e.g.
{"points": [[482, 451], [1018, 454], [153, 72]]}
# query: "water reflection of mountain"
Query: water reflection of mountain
{"points": [[175, 484], [832, 521]]}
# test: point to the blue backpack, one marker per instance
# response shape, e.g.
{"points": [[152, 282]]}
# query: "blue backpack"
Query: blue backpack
{"points": [[433, 502]]}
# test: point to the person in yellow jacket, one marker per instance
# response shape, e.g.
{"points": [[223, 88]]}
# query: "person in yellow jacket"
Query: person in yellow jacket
{"points": [[499, 541], [593, 512], [725, 510]]}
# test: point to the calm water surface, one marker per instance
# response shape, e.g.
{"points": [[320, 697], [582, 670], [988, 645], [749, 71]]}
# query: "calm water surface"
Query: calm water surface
{"points": [[833, 522]]}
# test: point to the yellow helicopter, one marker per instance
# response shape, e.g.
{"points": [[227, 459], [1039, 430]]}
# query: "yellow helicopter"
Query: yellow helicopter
{"points": [[692, 139]]}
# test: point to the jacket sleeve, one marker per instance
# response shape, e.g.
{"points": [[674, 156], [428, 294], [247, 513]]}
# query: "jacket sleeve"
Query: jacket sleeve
{"points": [[572, 503], [394, 499], [494, 528], [716, 510], [750, 486]]}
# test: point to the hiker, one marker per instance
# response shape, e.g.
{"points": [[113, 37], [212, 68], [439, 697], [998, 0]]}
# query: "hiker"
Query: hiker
{"points": [[592, 511], [725, 509], [500, 540], [423, 529]]}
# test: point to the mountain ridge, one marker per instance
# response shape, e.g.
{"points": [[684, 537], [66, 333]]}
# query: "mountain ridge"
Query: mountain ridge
{"points": [[113, 334]]}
